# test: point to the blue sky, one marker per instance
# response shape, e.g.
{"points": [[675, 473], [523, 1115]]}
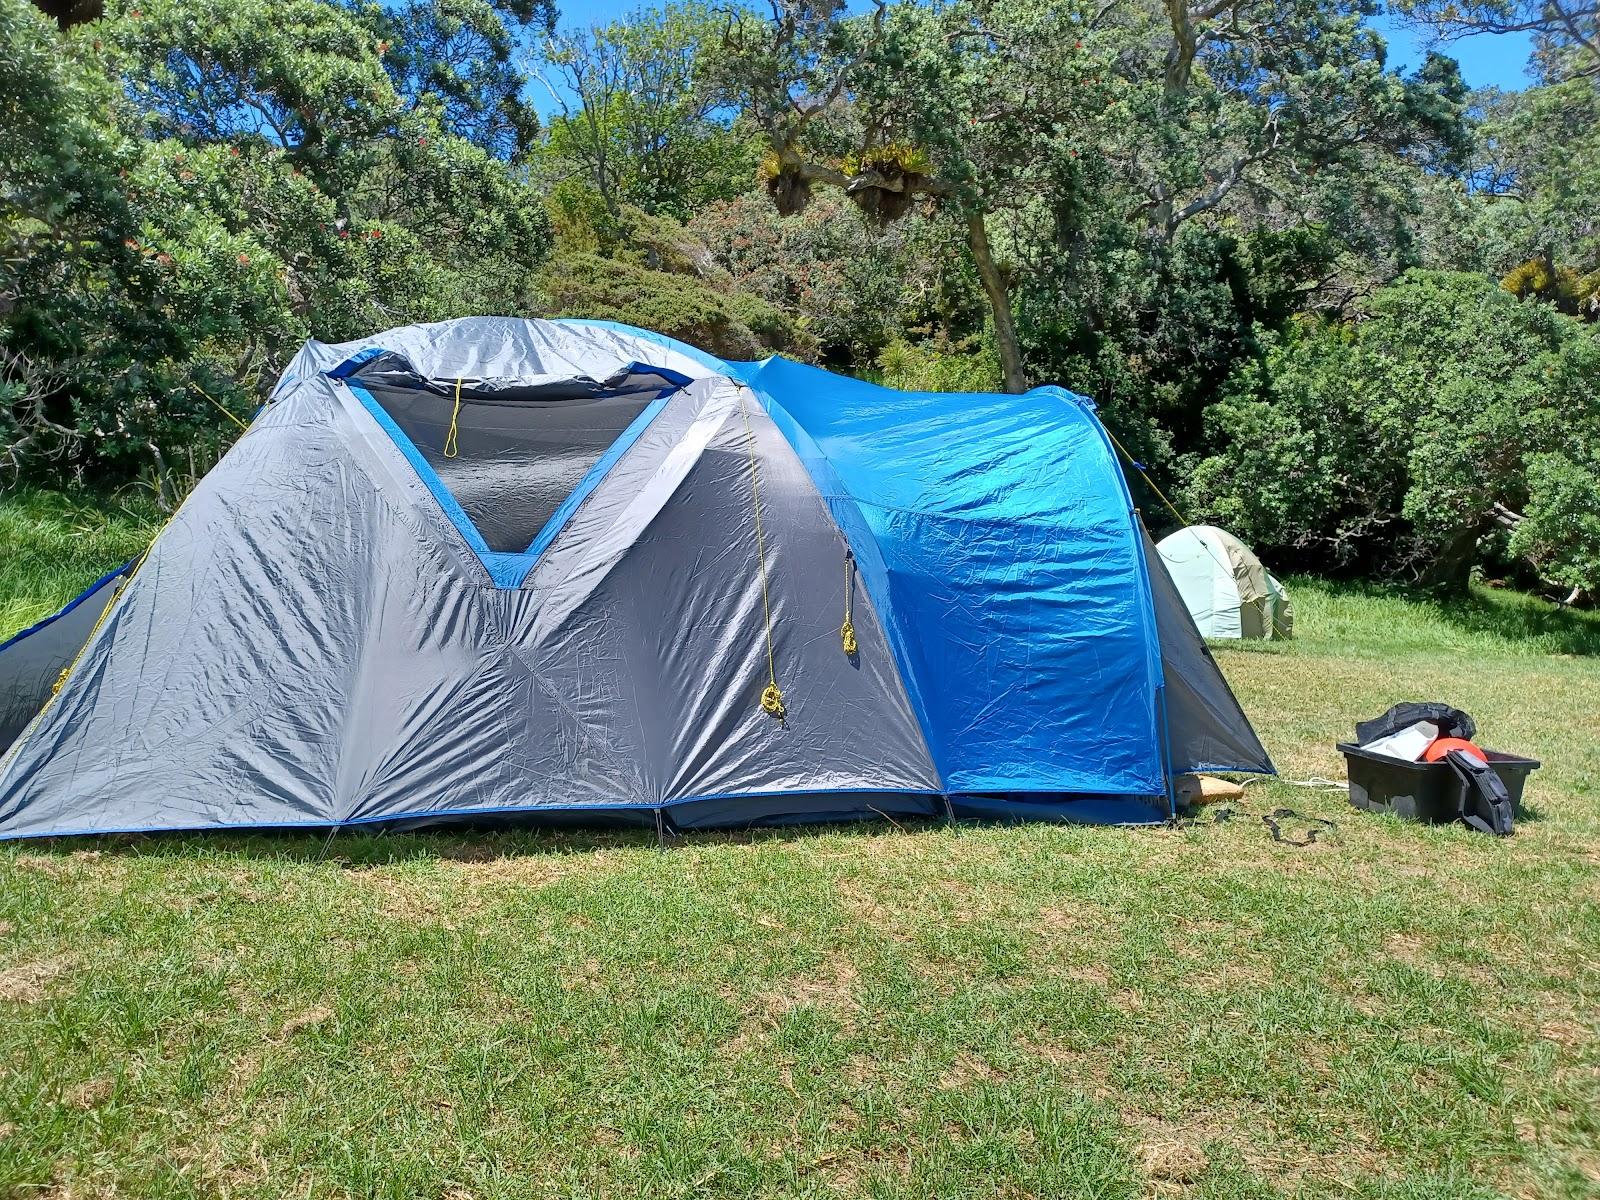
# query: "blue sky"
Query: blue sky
{"points": [[1496, 60], [1489, 60]]}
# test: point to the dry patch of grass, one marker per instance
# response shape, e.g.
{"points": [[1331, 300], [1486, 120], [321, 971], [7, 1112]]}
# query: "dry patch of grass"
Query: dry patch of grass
{"points": [[29, 982], [832, 988], [90, 1094]]}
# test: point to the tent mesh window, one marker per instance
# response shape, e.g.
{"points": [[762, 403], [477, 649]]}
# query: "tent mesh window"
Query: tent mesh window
{"points": [[519, 452]]}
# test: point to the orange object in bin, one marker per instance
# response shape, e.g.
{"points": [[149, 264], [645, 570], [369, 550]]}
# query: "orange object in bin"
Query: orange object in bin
{"points": [[1439, 747]]}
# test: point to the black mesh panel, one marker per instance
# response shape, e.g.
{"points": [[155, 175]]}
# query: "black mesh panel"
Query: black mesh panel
{"points": [[516, 460]]}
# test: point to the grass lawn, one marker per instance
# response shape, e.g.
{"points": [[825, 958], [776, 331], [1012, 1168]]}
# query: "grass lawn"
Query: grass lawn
{"points": [[1394, 1011]]}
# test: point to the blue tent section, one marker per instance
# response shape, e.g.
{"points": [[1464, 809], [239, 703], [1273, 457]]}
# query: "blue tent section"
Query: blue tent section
{"points": [[501, 568], [999, 544]]}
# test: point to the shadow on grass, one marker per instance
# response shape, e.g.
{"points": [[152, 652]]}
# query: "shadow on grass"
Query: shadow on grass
{"points": [[369, 846], [1250, 646], [1516, 617], [1392, 617], [358, 849]]}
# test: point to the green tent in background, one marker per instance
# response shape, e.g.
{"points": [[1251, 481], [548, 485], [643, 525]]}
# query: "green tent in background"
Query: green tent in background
{"points": [[1227, 590]]}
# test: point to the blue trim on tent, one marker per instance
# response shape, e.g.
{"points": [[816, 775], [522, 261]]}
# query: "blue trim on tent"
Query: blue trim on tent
{"points": [[1044, 806], [676, 378], [44, 622], [355, 362], [508, 570]]}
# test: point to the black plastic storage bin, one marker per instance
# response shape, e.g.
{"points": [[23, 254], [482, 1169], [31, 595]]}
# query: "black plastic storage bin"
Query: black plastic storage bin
{"points": [[1418, 791]]}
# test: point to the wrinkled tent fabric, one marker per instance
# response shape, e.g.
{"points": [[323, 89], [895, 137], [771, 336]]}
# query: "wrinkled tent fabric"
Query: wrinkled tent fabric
{"points": [[346, 625], [1226, 589]]}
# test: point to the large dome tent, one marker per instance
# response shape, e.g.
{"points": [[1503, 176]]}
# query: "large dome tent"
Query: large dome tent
{"points": [[495, 568]]}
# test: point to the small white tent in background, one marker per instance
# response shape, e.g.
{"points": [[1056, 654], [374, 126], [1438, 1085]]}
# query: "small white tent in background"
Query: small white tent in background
{"points": [[1228, 592]]}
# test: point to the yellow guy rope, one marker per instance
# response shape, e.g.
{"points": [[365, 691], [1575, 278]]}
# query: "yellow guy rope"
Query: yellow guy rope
{"points": [[66, 671], [450, 447], [1162, 496], [1143, 474], [105, 612], [217, 404], [771, 695], [847, 631]]}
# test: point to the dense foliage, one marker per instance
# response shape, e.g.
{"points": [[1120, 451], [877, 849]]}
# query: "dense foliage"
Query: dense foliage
{"points": [[1350, 312], [192, 189], [1449, 411]]}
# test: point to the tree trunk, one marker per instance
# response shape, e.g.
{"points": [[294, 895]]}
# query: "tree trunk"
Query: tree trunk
{"points": [[994, 286], [1181, 52], [1451, 566]]}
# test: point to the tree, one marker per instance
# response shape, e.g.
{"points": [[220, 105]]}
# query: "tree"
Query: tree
{"points": [[722, 320], [1567, 32], [636, 121], [67, 13], [1558, 528], [967, 106], [1540, 193], [855, 288], [1259, 93], [461, 55], [1539, 170], [302, 75], [194, 189], [987, 108], [303, 84]]}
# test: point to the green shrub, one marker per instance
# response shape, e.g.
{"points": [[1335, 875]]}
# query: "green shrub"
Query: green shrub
{"points": [[852, 289], [586, 285], [1406, 443], [168, 251], [940, 365]]}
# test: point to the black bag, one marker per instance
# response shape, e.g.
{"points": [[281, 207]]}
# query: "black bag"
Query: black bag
{"points": [[1485, 804], [1452, 722]]}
